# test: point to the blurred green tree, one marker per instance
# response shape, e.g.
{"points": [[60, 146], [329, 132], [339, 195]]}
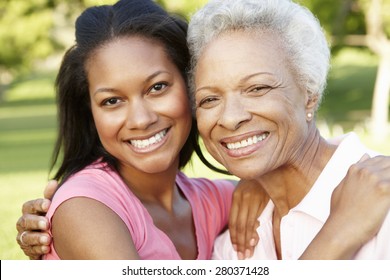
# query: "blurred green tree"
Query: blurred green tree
{"points": [[184, 8], [24, 33], [31, 30], [377, 17], [362, 23]]}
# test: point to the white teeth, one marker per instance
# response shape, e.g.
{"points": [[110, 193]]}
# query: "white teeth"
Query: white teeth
{"points": [[141, 144], [247, 142]]}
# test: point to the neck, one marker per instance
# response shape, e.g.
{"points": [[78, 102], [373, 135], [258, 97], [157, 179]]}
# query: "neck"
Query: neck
{"points": [[157, 188], [289, 184]]}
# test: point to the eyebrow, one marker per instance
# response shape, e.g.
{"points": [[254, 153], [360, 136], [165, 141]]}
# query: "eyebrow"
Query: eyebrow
{"points": [[242, 80], [149, 78], [246, 78]]}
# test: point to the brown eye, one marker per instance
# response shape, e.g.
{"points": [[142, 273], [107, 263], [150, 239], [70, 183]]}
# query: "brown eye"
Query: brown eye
{"points": [[158, 87], [259, 90], [207, 102], [111, 101]]}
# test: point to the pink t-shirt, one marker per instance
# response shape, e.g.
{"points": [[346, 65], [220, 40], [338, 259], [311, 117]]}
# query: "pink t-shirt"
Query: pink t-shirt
{"points": [[210, 201]]}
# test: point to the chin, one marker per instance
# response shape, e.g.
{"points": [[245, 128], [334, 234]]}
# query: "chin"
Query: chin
{"points": [[244, 173], [155, 168]]}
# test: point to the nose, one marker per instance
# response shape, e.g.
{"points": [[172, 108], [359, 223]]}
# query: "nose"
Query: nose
{"points": [[234, 112], [140, 114]]}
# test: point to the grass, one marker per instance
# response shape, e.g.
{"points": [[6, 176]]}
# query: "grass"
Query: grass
{"points": [[347, 99], [27, 131], [28, 127]]}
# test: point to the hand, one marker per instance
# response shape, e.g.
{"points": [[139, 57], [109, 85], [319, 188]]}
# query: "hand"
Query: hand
{"points": [[362, 200], [249, 200], [359, 206], [32, 225]]}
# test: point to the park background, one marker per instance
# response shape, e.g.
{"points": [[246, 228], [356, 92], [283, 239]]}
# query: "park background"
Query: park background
{"points": [[34, 35]]}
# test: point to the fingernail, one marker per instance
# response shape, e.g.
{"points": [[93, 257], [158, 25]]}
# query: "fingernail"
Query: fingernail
{"points": [[42, 224], [45, 249], [235, 247], [240, 256], [45, 205], [252, 242], [247, 253], [44, 239]]}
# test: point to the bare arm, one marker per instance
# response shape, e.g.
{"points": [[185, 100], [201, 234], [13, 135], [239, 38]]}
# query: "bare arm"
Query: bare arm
{"points": [[84, 228]]}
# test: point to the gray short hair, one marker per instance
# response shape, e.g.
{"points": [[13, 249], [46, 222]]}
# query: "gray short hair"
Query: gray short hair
{"points": [[298, 29]]}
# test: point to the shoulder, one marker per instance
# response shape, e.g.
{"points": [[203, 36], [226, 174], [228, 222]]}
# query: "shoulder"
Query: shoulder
{"points": [[84, 228], [99, 183], [93, 180]]}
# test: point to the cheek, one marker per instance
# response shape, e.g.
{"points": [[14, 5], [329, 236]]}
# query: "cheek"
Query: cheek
{"points": [[205, 125], [202, 124], [179, 109], [106, 124], [207, 120], [101, 129]]}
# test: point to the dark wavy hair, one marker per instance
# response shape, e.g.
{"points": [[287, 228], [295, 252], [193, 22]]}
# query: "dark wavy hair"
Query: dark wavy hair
{"points": [[78, 141]]}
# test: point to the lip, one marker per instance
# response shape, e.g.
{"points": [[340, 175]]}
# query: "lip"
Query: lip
{"points": [[151, 147], [144, 137], [247, 150]]}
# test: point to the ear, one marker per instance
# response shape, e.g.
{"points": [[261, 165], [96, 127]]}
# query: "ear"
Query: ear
{"points": [[311, 104]]}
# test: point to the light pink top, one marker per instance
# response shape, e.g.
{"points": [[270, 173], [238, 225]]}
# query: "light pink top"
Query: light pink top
{"points": [[299, 227], [210, 202]]}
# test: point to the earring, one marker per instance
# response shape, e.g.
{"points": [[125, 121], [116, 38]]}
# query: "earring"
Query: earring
{"points": [[309, 115]]}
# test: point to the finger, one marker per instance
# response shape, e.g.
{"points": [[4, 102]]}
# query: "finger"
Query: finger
{"points": [[50, 189], [36, 252], [375, 170], [37, 206], [377, 162], [251, 228], [252, 236], [382, 161], [241, 224], [233, 219], [364, 157], [30, 222], [33, 239]]}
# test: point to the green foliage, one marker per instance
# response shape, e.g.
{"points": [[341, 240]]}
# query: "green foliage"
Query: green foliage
{"points": [[351, 80], [386, 16], [338, 17], [25, 33], [385, 12], [28, 29], [182, 7], [346, 17]]}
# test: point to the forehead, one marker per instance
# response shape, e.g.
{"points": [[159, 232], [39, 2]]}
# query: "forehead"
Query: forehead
{"points": [[132, 48], [238, 54], [129, 56]]}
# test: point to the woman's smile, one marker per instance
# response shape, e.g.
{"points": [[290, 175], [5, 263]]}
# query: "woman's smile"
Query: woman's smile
{"points": [[244, 145], [149, 144]]}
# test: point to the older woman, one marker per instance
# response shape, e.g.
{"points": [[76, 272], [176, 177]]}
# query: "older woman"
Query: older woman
{"points": [[259, 71]]}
